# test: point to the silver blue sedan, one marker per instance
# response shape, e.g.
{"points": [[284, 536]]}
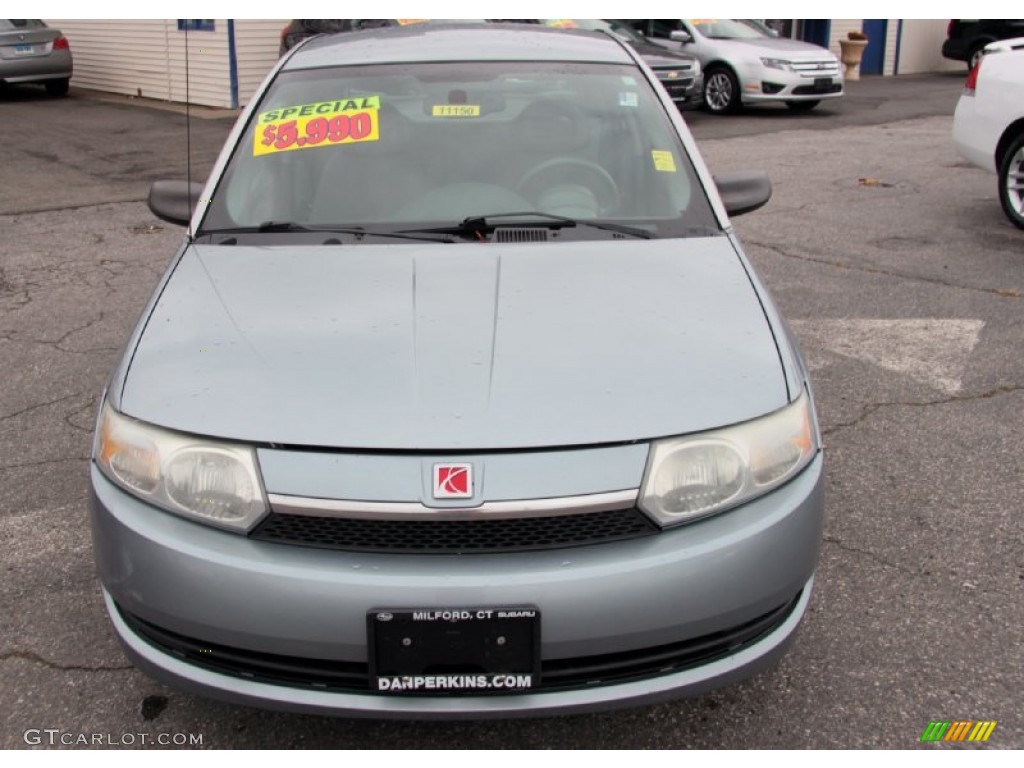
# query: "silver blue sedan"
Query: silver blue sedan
{"points": [[31, 52], [459, 398]]}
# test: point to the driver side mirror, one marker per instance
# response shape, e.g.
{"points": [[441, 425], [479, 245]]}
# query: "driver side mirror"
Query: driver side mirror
{"points": [[743, 191], [680, 36], [174, 201]]}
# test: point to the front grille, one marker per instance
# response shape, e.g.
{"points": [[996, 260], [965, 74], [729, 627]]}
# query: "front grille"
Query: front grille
{"points": [[454, 537], [824, 68], [556, 674]]}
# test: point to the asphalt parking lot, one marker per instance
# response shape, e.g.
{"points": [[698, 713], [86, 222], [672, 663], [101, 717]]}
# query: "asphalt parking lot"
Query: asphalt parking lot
{"points": [[888, 254]]}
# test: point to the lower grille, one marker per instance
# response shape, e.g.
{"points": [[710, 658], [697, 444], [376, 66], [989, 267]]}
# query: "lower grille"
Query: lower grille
{"points": [[811, 90], [556, 674], [454, 537]]}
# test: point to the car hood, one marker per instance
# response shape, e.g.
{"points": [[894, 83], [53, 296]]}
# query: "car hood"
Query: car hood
{"points": [[434, 347], [773, 47], [663, 59], [659, 55]]}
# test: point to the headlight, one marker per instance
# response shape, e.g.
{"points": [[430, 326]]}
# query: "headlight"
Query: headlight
{"points": [[214, 483], [692, 477], [776, 64]]}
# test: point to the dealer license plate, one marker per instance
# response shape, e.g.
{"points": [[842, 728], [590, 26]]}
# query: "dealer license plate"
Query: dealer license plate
{"points": [[454, 650]]}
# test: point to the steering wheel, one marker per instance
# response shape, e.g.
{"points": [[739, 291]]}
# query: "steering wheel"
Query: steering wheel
{"points": [[571, 170]]}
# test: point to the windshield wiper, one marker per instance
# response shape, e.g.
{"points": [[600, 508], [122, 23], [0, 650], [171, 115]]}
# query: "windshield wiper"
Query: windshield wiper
{"points": [[470, 225], [291, 226]]}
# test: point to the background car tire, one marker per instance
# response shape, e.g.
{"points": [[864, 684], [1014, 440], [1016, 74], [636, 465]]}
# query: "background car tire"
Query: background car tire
{"points": [[803, 106], [1011, 174], [57, 87], [721, 91]]}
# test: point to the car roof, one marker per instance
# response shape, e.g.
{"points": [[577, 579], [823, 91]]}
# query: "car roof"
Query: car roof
{"points": [[461, 42]]}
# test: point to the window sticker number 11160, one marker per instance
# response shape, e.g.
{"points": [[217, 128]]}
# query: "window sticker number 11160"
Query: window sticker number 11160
{"points": [[327, 123]]}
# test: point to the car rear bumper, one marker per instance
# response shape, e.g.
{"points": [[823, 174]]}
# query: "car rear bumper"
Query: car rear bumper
{"points": [[172, 584], [56, 65], [975, 134]]}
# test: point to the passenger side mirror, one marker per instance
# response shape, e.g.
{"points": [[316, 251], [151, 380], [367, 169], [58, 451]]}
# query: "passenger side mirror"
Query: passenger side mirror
{"points": [[743, 191], [680, 36], [174, 201]]}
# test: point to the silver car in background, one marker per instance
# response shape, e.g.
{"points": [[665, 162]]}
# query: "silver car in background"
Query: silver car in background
{"points": [[31, 52], [460, 398], [745, 63]]}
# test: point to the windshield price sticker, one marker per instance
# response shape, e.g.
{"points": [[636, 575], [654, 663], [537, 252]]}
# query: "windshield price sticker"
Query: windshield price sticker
{"points": [[456, 110], [327, 123], [663, 161]]}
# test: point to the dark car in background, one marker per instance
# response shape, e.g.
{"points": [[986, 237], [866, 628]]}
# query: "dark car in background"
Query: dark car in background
{"points": [[679, 73], [967, 38], [31, 52]]}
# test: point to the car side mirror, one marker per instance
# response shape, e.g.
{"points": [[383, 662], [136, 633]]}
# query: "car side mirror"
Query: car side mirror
{"points": [[680, 36], [174, 201], [743, 191]]}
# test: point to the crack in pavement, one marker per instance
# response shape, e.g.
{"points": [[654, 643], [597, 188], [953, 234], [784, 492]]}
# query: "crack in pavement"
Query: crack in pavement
{"points": [[829, 539], [1001, 293], [28, 211], [35, 657], [910, 571], [58, 343], [873, 408], [43, 462], [6, 416]]}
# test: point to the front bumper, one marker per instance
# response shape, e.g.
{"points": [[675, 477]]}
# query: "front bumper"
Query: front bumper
{"points": [[767, 84], [263, 598], [687, 90]]}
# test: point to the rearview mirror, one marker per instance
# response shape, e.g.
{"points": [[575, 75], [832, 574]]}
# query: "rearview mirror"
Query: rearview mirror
{"points": [[680, 36], [743, 191], [174, 201]]}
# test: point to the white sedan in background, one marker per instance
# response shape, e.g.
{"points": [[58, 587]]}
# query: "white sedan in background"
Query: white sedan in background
{"points": [[746, 63], [988, 127]]}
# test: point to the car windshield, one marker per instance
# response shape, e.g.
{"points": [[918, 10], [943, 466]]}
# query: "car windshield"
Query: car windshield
{"points": [[728, 29], [410, 147]]}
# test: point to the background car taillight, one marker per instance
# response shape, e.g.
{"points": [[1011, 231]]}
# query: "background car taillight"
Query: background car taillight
{"points": [[949, 27], [971, 84], [61, 44]]}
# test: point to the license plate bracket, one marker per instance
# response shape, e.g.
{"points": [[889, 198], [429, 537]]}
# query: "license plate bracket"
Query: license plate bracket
{"points": [[822, 83], [452, 651]]}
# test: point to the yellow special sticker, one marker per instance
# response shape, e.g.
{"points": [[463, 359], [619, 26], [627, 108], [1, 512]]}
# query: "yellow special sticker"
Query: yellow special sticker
{"points": [[663, 161], [561, 23], [324, 124], [456, 110], [407, 22]]}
